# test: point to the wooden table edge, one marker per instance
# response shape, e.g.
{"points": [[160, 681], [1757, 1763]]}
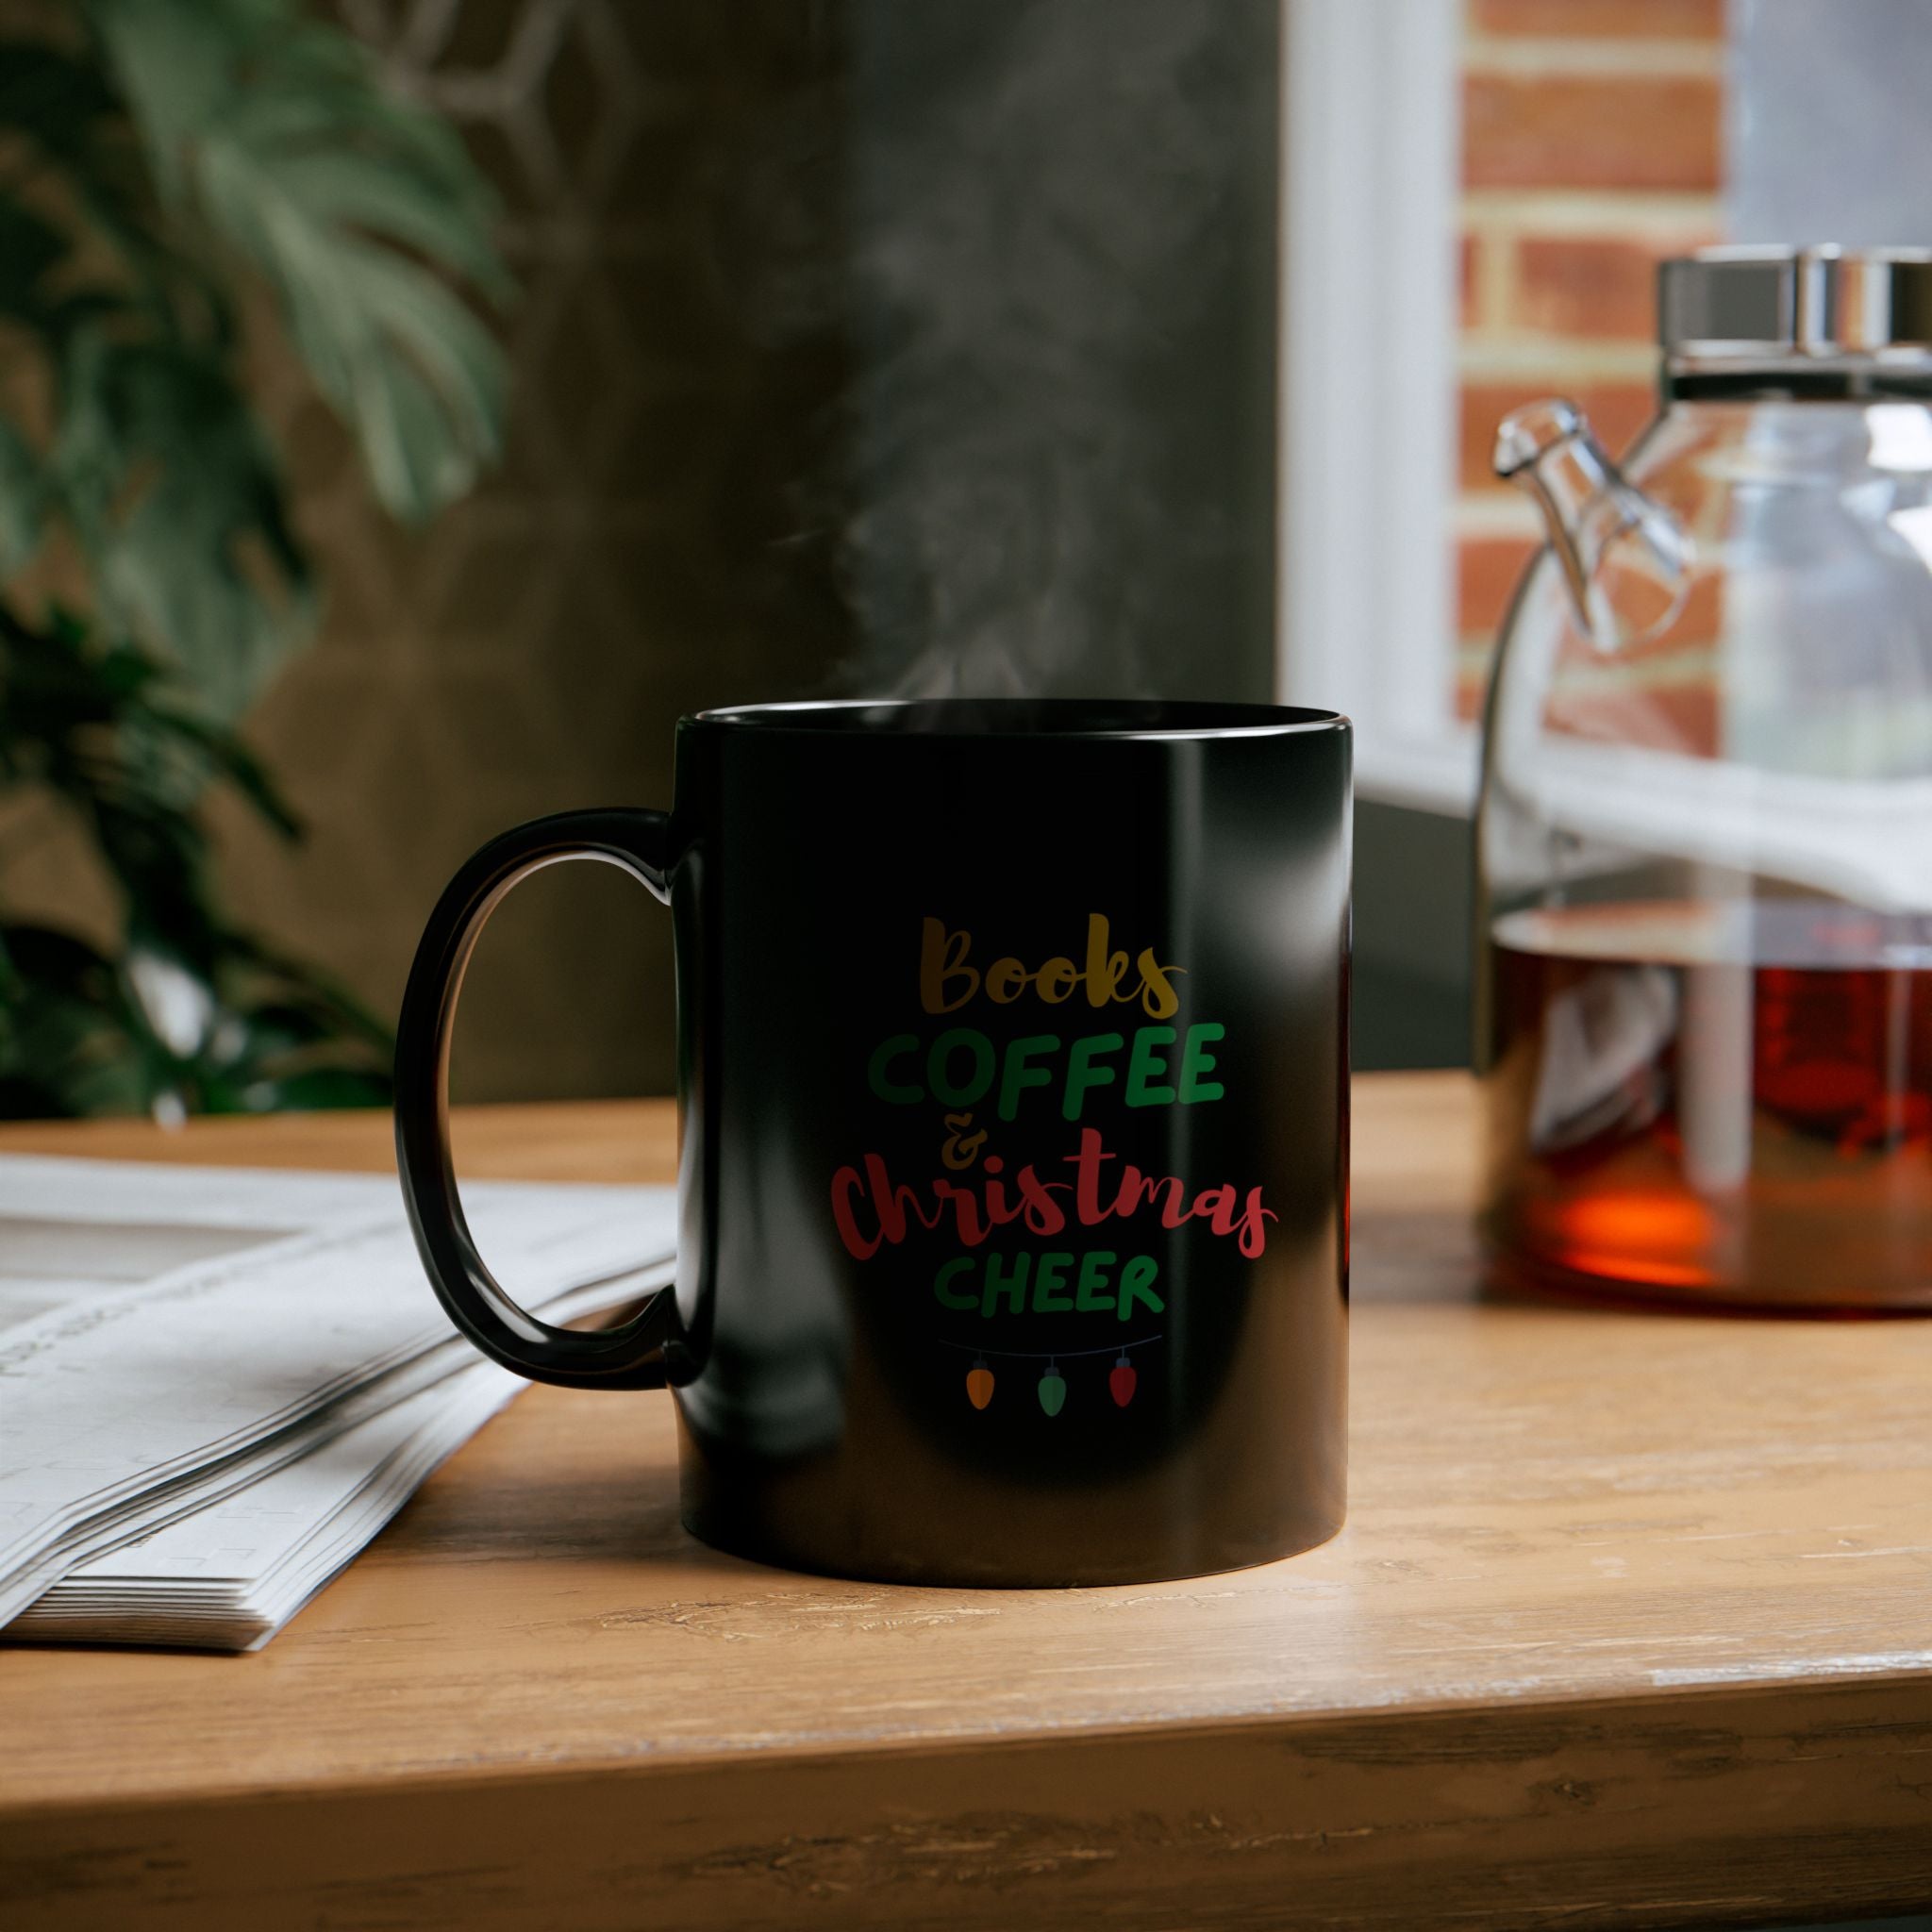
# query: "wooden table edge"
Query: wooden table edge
{"points": [[1599, 1713], [1334, 1819]]}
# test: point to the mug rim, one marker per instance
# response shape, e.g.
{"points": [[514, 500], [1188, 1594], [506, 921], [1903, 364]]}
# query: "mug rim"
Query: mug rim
{"points": [[1161, 719]]}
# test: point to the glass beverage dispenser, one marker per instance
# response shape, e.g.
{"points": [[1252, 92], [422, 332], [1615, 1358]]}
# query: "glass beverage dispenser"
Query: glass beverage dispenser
{"points": [[1705, 837]]}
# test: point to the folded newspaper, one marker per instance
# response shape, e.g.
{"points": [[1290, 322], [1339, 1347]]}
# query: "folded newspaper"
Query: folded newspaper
{"points": [[217, 1384]]}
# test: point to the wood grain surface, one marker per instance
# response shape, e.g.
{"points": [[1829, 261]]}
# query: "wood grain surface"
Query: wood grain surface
{"points": [[1630, 1626]]}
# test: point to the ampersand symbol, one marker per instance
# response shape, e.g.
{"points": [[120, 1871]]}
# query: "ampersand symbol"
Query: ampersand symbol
{"points": [[962, 1148]]}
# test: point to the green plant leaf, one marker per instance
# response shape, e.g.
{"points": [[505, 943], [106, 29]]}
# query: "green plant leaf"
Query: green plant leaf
{"points": [[22, 500], [317, 993], [351, 201], [52, 96], [30, 249], [74, 131], [174, 63], [313, 1088], [176, 498], [229, 759], [65, 1048]]}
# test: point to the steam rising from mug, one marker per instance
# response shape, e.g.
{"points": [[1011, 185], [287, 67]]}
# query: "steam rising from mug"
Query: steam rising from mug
{"points": [[1055, 453]]}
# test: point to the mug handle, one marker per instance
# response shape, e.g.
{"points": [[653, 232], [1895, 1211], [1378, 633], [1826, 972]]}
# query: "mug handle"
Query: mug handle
{"points": [[629, 1356]]}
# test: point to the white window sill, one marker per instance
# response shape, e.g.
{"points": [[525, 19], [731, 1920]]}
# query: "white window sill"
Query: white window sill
{"points": [[1434, 773]]}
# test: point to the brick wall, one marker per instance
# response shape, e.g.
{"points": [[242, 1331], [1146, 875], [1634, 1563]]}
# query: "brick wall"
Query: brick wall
{"points": [[1592, 147]]}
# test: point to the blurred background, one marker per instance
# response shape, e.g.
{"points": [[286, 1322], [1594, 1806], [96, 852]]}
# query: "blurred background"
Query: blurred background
{"points": [[1061, 346]]}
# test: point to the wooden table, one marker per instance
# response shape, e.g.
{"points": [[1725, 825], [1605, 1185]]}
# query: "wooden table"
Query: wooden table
{"points": [[1631, 1625]]}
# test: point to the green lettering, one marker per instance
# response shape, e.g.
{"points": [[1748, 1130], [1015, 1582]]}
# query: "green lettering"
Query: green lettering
{"points": [[879, 1072], [944, 1048], [1095, 1295], [1136, 1278], [1143, 1065], [1082, 1073], [1195, 1064], [953, 1297], [1019, 1075], [1049, 1286], [1000, 1282]]}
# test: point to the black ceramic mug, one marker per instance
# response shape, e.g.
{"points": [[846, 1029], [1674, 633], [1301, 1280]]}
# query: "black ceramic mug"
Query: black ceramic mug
{"points": [[1013, 1087]]}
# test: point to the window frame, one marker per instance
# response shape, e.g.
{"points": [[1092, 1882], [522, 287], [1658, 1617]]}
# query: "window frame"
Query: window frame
{"points": [[1370, 308]]}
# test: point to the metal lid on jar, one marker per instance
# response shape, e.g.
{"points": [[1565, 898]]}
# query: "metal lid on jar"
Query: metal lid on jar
{"points": [[1734, 307]]}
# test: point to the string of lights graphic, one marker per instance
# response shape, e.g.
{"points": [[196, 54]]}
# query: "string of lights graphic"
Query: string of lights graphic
{"points": [[1121, 1381]]}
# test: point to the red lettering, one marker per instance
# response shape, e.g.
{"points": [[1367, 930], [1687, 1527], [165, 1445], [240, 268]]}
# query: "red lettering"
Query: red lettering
{"points": [[845, 1183], [1045, 1215], [890, 1203], [975, 1211], [1087, 1183], [1215, 1206], [1254, 1234], [999, 1210], [1136, 1188], [965, 1211]]}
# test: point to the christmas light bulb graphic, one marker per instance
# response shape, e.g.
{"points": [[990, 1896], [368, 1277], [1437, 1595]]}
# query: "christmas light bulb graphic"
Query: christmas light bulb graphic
{"points": [[1120, 1382], [1053, 1388], [979, 1383]]}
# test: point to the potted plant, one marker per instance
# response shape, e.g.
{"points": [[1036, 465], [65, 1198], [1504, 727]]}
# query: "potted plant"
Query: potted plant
{"points": [[171, 172]]}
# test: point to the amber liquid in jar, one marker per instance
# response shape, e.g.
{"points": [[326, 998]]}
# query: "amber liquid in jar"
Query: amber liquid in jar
{"points": [[1713, 1103]]}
